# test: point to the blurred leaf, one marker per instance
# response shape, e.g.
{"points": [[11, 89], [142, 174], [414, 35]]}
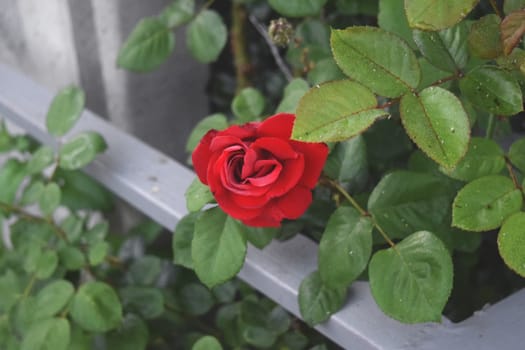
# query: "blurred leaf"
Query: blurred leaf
{"points": [[345, 247], [248, 105], [96, 307], [513, 5], [132, 334], [145, 271], [512, 30], [40, 160], [297, 8], [65, 110], [260, 237], [11, 175], [46, 264], [178, 12], [182, 238], [81, 150], [196, 299], [32, 193], [147, 47], [218, 247], [52, 333], [207, 343], [80, 191], [377, 59], [392, 18], [484, 39], [511, 242], [404, 202], [492, 89], [485, 203], [97, 253], [317, 302], [435, 15], [53, 298], [412, 281], [146, 301], [445, 49], [347, 162], [72, 226], [437, 122], [71, 258], [10, 289], [206, 36], [325, 113], [197, 195], [484, 157], [292, 94], [50, 199], [517, 154], [216, 121]]}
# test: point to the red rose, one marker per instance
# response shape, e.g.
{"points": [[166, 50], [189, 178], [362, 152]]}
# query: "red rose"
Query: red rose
{"points": [[256, 173]]}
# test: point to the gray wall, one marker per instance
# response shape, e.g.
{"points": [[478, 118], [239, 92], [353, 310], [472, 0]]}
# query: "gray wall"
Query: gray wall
{"points": [[59, 42]]}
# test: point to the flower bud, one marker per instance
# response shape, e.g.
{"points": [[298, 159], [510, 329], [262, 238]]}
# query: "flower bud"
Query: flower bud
{"points": [[280, 31]]}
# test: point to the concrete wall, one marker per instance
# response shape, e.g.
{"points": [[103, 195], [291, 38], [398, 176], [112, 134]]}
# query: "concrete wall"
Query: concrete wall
{"points": [[59, 42]]}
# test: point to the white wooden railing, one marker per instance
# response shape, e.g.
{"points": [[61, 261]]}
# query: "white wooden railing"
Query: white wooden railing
{"points": [[155, 185]]}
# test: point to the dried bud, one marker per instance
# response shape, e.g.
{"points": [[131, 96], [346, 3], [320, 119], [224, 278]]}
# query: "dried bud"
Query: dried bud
{"points": [[280, 31]]}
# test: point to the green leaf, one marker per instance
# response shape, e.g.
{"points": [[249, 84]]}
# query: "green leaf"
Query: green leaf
{"points": [[248, 105], [41, 159], [10, 289], [445, 49], [32, 193], [430, 74], [437, 122], [325, 113], [52, 298], [216, 121], [291, 96], [511, 242], [513, 5], [80, 191], [412, 282], [404, 202], [196, 299], [132, 334], [485, 203], [297, 8], [218, 248], [50, 199], [96, 307], [182, 238], [260, 237], [146, 301], [71, 258], [377, 59], [65, 110], [73, 226], [493, 90], [147, 47], [258, 336], [435, 15], [317, 302], [345, 247], [517, 154], [206, 36], [484, 39], [145, 271], [53, 333], [81, 150], [46, 264], [324, 70], [97, 253], [207, 343], [347, 162], [392, 18], [11, 175], [177, 13], [197, 195], [484, 157]]}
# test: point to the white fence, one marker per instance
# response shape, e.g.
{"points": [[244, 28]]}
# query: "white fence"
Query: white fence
{"points": [[155, 185]]}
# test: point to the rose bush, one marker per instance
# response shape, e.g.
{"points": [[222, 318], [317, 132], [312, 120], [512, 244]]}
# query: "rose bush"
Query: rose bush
{"points": [[256, 173]]}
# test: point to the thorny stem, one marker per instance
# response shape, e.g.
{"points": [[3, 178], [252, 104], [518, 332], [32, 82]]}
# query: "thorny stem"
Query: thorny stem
{"points": [[335, 185], [273, 49], [496, 9], [238, 46], [30, 217], [512, 174]]}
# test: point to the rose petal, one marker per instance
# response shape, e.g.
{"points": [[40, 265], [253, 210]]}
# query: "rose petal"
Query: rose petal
{"points": [[201, 156], [267, 171], [279, 125], [289, 177], [314, 159], [277, 147], [242, 132], [294, 203]]}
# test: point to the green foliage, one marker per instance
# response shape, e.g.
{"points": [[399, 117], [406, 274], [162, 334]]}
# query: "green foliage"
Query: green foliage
{"points": [[297, 8], [411, 282], [197, 195], [511, 242], [65, 110], [292, 94], [215, 121], [148, 46], [435, 15], [206, 36], [248, 105], [81, 150], [178, 12], [484, 38]]}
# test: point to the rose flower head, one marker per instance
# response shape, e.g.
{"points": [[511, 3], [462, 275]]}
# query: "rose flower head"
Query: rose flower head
{"points": [[256, 173]]}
